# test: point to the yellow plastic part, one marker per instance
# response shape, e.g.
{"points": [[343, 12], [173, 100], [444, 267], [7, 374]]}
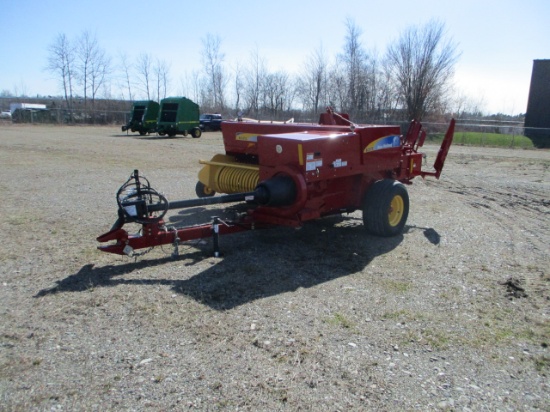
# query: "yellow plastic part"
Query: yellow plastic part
{"points": [[223, 174], [397, 208]]}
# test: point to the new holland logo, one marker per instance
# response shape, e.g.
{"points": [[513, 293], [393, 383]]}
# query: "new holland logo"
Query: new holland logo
{"points": [[383, 143], [247, 137]]}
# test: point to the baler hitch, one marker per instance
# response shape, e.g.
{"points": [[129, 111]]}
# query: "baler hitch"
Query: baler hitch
{"points": [[139, 203]]}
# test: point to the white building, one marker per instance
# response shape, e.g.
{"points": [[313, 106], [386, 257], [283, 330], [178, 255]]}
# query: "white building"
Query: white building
{"points": [[26, 106]]}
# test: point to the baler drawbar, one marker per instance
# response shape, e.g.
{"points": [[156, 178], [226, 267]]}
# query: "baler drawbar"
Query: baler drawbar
{"points": [[287, 174]]}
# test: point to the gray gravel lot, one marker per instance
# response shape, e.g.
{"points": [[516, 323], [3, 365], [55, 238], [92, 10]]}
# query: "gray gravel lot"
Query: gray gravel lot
{"points": [[452, 315]]}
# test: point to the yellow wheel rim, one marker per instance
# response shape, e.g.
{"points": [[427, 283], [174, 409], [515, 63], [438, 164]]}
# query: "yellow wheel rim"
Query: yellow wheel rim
{"points": [[207, 190], [397, 208]]}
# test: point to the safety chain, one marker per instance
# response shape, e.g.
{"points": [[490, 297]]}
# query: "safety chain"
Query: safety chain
{"points": [[139, 254]]}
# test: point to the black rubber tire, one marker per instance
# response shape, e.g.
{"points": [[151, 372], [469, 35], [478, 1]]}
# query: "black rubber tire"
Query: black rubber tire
{"points": [[379, 216], [196, 132], [202, 191]]}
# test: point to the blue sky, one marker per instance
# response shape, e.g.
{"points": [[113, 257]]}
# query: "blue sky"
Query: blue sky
{"points": [[498, 40]]}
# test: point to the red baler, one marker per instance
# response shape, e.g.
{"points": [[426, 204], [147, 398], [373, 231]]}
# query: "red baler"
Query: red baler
{"points": [[288, 173]]}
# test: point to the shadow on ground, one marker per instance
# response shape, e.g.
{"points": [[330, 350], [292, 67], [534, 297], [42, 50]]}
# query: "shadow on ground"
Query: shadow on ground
{"points": [[255, 264], [429, 233], [151, 136]]}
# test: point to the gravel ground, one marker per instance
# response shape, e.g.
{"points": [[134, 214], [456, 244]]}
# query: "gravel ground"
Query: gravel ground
{"points": [[452, 315]]}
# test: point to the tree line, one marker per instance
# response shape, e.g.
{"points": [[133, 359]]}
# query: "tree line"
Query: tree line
{"points": [[412, 79]]}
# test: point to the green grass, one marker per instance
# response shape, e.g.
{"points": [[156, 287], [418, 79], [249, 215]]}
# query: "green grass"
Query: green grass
{"points": [[437, 338], [486, 139], [339, 319], [542, 363], [397, 286]]}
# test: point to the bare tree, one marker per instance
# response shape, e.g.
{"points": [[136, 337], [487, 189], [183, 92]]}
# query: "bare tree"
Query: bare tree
{"points": [[254, 82], [354, 59], [61, 60], [336, 88], [289, 94], [387, 97], [213, 58], [144, 73], [191, 86], [421, 63], [465, 106], [126, 72], [239, 86], [372, 82], [93, 65], [20, 90], [86, 47], [312, 82], [162, 78], [100, 69], [274, 92]]}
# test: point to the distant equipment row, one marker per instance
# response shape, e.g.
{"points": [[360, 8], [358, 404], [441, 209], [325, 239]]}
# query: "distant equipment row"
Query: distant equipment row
{"points": [[173, 116]]}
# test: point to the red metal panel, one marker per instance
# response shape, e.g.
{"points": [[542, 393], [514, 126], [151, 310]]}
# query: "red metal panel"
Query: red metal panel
{"points": [[242, 137], [328, 162], [317, 155]]}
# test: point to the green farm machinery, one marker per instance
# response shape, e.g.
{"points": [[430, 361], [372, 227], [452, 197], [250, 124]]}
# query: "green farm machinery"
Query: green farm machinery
{"points": [[178, 115], [143, 117]]}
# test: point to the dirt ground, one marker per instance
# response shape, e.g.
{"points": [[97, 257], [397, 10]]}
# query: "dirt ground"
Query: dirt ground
{"points": [[452, 315]]}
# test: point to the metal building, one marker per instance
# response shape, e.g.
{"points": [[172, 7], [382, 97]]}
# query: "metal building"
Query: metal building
{"points": [[537, 118]]}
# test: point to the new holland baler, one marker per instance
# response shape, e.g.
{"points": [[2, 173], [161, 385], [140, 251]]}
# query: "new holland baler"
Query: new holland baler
{"points": [[287, 174]]}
